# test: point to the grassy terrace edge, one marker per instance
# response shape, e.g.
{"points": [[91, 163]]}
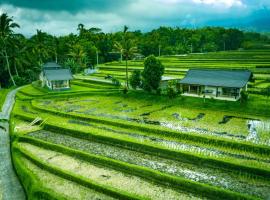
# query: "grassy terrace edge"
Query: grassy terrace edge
{"points": [[32, 186], [74, 178], [155, 150], [151, 175]]}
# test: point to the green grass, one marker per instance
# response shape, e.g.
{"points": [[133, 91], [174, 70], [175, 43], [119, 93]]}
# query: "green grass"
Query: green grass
{"points": [[3, 94]]}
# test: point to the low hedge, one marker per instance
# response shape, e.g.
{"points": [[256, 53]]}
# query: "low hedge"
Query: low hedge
{"points": [[33, 187], [172, 134], [96, 82], [78, 179], [152, 175], [100, 86]]}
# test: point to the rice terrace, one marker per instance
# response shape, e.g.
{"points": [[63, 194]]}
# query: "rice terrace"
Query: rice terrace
{"points": [[171, 113]]}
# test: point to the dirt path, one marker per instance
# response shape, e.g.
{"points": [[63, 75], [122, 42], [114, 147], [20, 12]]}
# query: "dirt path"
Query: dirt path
{"points": [[9, 183]]}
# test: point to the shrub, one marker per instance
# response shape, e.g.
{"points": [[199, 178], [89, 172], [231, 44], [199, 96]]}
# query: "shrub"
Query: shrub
{"points": [[171, 89], [244, 96], [20, 80], [116, 82], [152, 73], [125, 90], [135, 79], [267, 92]]}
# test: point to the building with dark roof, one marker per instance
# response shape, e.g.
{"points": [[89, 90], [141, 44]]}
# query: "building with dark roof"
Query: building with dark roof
{"points": [[218, 84], [55, 77]]}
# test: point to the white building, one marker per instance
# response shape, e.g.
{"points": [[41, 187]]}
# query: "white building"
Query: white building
{"points": [[55, 77]]}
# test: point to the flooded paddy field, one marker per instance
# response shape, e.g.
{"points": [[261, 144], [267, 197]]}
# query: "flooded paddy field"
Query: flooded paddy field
{"points": [[172, 143], [171, 116], [203, 174], [175, 144]]}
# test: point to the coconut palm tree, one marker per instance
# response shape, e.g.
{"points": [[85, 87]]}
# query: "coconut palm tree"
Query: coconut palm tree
{"points": [[19, 56], [126, 48], [40, 48], [78, 54], [6, 31]]}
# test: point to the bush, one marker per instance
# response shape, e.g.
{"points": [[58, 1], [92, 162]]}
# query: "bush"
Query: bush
{"points": [[244, 96], [125, 90], [20, 80], [116, 82], [152, 73], [267, 92], [135, 79], [171, 89]]}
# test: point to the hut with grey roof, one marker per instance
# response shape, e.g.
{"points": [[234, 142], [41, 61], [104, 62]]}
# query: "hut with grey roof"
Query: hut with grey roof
{"points": [[55, 77], [217, 84]]}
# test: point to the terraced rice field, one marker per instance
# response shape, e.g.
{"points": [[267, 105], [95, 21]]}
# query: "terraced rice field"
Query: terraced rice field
{"points": [[177, 66], [93, 142]]}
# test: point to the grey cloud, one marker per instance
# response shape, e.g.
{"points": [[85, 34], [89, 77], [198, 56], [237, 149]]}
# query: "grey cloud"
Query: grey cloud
{"points": [[72, 6]]}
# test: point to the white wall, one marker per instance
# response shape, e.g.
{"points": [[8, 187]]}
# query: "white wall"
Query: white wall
{"points": [[212, 89]]}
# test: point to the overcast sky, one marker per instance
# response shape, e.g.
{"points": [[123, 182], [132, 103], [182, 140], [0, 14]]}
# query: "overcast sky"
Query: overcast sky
{"points": [[60, 17]]}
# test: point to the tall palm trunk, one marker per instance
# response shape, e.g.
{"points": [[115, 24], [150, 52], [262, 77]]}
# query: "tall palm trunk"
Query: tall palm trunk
{"points": [[127, 73], [15, 67], [56, 57], [8, 67]]}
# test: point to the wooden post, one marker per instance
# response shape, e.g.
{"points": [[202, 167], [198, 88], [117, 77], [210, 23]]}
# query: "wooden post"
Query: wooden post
{"points": [[217, 92], [198, 90], [188, 88]]}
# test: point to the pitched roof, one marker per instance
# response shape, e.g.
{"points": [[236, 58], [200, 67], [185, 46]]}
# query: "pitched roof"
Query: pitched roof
{"points": [[221, 78], [58, 74], [51, 65]]}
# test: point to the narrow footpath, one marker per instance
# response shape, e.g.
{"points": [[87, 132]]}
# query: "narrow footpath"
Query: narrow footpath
{"points": [[10, 187]]}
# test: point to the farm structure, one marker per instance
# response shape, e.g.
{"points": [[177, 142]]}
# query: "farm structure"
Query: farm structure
{"points": [[55, 77], [217, 84]]}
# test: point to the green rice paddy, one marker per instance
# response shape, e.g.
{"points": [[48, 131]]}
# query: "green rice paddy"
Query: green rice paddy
{"points": [[93, 142]]}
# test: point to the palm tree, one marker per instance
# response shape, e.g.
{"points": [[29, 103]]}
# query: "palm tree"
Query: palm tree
{"points": [[78, 53], [40, 47], [55, 48], [19, 55], [81, 29], [126, 48], [6, 31]]}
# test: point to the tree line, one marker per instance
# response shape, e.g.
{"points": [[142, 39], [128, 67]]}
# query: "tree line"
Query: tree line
{"points": [[21, 58]]}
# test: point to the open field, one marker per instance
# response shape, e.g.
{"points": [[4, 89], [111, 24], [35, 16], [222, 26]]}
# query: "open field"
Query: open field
{"points": [[94, 142]]}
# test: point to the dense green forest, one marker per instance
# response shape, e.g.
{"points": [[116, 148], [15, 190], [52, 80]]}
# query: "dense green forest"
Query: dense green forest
{"points": [[21, 57]]}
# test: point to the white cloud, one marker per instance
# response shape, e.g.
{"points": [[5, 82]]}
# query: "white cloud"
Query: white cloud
{"points": [[59, 22], [139, 14], [225, 3]]}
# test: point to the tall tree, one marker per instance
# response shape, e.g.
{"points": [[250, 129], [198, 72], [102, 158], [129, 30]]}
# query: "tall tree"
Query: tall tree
{"points": [[127, 48], [78, 54], [152, 73], [41, 48], [6, 31]]}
